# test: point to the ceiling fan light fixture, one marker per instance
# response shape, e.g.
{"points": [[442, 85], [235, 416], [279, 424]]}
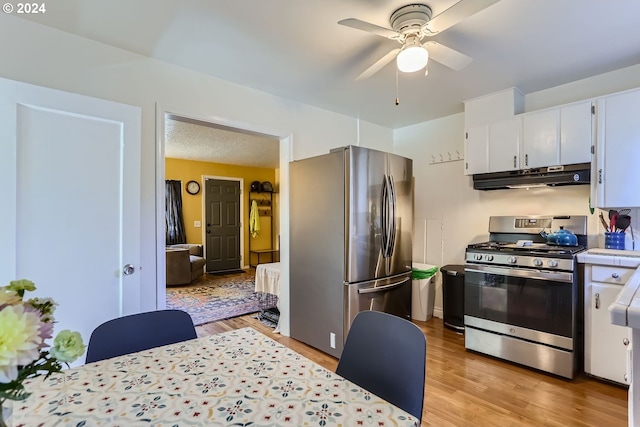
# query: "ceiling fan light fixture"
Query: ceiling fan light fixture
{"points": [[412, 58]]}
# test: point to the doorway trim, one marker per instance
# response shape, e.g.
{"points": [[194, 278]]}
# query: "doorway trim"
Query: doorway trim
{"points": [[286, 156], [241, 213]]}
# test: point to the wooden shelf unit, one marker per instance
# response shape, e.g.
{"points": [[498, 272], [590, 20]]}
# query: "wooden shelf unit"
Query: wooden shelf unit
{"points": [[264, 200]]}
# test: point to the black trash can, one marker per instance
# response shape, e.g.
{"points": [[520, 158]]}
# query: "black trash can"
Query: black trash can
{"points": [[453, 296]]}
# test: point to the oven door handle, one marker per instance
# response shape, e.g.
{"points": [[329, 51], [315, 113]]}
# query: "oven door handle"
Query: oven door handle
{"points": [[519, 272], [382, 288]]}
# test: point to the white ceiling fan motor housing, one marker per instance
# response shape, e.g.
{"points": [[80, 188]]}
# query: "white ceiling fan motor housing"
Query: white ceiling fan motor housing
{"points": [[410, 19]]}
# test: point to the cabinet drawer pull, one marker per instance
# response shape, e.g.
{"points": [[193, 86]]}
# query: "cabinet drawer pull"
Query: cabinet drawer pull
{"points": [[625, 341], [597, 301], [615, 275], [599, 176]]}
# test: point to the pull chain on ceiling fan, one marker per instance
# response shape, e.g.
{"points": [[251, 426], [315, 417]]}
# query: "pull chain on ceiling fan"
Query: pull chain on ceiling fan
{"points": [[410, 24]]}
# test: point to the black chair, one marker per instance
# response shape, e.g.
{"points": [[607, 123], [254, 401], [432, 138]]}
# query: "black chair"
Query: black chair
{"points": [[137, 332], [386, 355]]}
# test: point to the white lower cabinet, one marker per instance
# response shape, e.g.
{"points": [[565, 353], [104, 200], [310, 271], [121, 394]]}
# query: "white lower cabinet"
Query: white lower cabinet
{"points": [[606, 345]]}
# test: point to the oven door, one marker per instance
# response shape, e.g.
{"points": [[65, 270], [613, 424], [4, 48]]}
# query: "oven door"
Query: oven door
{"points": [[530, 304]]}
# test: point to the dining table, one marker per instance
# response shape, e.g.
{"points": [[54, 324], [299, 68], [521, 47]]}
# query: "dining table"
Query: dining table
{"points": [[236, 378]]}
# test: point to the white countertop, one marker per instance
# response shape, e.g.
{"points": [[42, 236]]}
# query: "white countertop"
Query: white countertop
{"points": [[625, 311], [613, 257]]}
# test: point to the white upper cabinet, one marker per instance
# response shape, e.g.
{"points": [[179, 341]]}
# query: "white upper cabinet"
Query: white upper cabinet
{"points": [[498, 141], [618, 151], [476, 150], [489, 127], [557, 136], [493, 147], [504, 145], [576, 133], [540, 138]]}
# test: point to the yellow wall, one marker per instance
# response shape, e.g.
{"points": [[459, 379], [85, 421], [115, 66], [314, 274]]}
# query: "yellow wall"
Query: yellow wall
{"points": [[187, 170]]}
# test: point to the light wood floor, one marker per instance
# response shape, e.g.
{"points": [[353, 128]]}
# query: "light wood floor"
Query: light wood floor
{"points": [[468, 389]]}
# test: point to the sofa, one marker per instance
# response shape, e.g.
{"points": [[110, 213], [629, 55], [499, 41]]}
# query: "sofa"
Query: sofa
{"points": [[185, 263]]}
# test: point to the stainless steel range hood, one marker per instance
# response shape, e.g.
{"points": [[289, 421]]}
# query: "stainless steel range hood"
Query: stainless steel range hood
{"points": [[529, 178]]}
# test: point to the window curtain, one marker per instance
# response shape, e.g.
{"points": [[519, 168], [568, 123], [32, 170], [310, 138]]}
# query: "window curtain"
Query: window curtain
{"points": [[174, 226]]}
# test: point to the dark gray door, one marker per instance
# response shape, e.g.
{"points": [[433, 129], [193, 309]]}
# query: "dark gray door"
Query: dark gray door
{"points": [[222, 222]]}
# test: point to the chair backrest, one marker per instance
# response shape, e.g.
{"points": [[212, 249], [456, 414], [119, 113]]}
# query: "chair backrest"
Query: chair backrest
{"points": [[138, 332], [386, 355]]}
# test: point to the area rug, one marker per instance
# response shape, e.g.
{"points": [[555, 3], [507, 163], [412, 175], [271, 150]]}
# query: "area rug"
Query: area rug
{"points": [[216, 297]]}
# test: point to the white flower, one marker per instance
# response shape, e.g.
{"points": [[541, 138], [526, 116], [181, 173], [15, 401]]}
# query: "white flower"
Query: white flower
{"points": [[20, 340]]}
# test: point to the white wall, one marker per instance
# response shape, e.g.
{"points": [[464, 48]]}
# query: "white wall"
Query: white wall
{"points": [[43, 56], [450, 214]]}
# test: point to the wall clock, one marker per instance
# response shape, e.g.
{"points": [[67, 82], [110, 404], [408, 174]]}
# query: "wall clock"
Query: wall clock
{"points": [[193, 187]]}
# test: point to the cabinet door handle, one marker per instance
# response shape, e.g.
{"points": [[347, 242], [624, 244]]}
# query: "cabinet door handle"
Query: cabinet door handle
{"points": [[615, 275], [597, 301], [514, 161], [466, 165], [526, 160], [599, 176], [625, 341]]}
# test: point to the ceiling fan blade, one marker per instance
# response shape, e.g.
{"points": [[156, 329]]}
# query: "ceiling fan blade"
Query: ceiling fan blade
{"points": [[378, 65], [456, 13], [371, 28], [447, 56]]}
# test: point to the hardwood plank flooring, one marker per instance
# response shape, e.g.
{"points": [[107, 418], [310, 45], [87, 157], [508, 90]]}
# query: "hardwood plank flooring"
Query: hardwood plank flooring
{"points": [[468, 389]]}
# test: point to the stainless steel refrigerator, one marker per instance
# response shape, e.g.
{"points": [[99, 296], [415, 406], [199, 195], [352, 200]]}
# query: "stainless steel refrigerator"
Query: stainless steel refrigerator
{"points": [[351, 219]]}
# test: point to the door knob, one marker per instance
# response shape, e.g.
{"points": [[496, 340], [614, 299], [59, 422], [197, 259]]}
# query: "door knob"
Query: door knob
{"points": [[128, 269]]}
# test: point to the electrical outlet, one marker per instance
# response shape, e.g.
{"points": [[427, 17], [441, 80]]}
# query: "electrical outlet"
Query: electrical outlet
{"points": [[197, 224], [332, 340]]}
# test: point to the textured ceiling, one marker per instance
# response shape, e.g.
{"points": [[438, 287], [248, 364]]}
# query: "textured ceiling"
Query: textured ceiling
{"points": [[195, 140]]}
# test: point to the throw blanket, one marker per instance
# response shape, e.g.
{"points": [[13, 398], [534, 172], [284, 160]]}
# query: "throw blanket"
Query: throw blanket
{"points": [[254, 220]]}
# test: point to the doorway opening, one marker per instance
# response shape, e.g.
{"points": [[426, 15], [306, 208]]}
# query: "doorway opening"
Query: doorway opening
{"points": [[212, 154]]}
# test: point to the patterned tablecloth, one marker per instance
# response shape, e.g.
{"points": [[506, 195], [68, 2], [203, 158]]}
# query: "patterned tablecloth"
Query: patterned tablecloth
{"points": [[237, 378]]}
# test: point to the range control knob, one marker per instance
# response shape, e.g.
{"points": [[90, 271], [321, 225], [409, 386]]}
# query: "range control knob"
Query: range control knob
{"points": [[553, 263], [478, 257], [537, 262], [489, 257], [512, 259]]}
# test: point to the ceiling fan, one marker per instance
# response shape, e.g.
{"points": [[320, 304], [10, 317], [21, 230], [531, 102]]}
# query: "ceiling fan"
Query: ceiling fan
{"points": [[412, 23]]}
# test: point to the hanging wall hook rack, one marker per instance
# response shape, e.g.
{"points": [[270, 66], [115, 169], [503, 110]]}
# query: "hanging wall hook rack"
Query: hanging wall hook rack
{"points": [[446, 158]]}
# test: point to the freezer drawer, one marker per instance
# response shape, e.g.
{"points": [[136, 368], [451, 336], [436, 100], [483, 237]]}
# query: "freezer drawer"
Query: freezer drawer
{"points": [[391, 295]]}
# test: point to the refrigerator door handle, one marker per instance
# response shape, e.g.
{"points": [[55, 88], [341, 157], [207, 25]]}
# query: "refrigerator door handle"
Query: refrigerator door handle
{"points": [[384, 217], [392, 228], [383, 288]]}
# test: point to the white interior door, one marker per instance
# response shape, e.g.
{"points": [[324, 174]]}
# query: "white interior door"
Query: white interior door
{"points": [[70, 169]]}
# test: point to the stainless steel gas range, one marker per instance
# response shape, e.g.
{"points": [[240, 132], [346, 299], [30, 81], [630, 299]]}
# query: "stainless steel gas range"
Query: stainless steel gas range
{"points": [[522, 295]]}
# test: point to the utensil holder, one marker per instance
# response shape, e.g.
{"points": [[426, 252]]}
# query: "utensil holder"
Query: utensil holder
{"points": [[614, 240]]}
